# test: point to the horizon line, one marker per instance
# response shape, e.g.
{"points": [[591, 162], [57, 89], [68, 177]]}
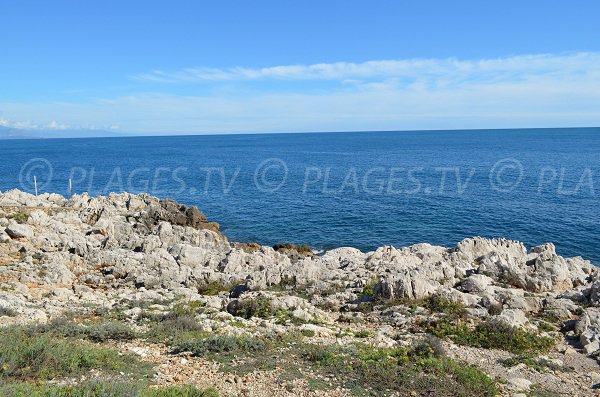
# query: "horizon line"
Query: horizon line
{"points": [[164, 135]]}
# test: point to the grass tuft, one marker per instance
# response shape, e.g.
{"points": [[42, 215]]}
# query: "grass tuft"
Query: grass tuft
{"points": [[30, 357]]}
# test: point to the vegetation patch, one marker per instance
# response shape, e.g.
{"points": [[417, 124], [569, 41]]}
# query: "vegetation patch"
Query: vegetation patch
{"points": [[538, 363], [215, 287], [261, 306], [95, 332], [368, 291], [362, 334], [102, 389], [367, 370], [439, 304], [24, 356], [490, 335], [19, 216], [201, 344]]}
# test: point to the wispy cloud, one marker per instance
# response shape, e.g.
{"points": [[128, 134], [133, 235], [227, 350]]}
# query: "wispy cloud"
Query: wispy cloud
{"points": [[519, 91], [442, 71]]}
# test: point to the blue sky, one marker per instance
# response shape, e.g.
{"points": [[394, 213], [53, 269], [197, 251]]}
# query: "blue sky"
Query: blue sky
{"points": [[277, 66]]}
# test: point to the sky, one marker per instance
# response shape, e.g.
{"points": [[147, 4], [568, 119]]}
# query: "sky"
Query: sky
{"points": [[183, 67]]}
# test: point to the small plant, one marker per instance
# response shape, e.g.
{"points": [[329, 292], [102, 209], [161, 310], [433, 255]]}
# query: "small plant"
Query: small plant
{"points": [[372, 371], [545, 326], [260, 306], [19, 217], [321, 355], [215, 287], [439, 304], [202, 344], [309, 333], [365, 333], [369, 289]]}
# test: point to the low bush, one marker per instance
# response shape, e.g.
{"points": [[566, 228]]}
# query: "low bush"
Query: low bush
{"points": [[362, 334], [439, 304], [214, 287], [369, 289], [200, 344], [19, 217], [490, 335], [261, 306]]}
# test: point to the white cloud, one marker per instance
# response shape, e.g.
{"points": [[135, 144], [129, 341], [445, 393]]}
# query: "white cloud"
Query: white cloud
{"points": [[523, 91], [442, 71]]}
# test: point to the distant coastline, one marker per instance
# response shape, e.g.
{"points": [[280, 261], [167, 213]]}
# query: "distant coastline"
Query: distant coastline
{"points": [[11, 133]]}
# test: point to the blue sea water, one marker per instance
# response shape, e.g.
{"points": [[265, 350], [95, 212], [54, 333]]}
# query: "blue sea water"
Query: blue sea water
{"points": [[347, 189]]}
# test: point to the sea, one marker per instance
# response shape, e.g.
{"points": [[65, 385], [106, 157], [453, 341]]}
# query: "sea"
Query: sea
{"points": [[359, 189]]}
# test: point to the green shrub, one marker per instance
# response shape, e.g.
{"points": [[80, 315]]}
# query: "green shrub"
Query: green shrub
{"points": [[490, 335], [362, 334], [19, 217], [369, 289], [321, 355], [201, 344], [214, 287], [309, 333], [261, 306], [439, 304]]}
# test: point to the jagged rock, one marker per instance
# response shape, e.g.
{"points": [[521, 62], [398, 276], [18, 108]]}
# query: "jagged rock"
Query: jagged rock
{"points": [[594, 294], [588, 329], [125, 247]]}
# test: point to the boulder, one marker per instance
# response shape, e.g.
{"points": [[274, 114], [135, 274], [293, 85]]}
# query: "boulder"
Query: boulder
{"points": [[17, 230], [476, 283]]}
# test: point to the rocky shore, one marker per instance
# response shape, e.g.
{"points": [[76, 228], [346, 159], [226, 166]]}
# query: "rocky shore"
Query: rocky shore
{"points": [[525, 321]]}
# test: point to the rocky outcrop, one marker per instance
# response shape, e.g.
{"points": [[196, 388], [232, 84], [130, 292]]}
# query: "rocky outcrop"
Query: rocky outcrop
{"points": [[95, 247]]}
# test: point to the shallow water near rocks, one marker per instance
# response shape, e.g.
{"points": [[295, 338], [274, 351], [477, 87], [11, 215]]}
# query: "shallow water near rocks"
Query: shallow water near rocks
{"points": [[347, 189]]}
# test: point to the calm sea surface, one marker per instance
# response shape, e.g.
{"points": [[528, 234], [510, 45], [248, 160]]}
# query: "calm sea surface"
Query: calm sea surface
{"points": [[347, 189]]}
